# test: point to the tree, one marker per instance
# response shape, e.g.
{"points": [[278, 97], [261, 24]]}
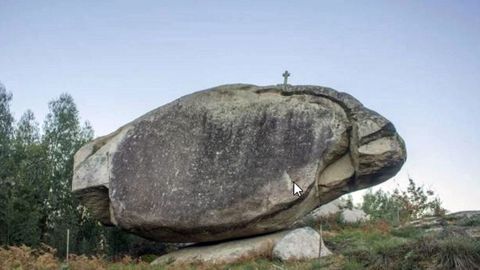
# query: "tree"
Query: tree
{"points": [[27, 131], [36, 202], [6, 124], [417, 202], [381, 205], [6, 181], [29, 191], [63, 137], [402, 206]]}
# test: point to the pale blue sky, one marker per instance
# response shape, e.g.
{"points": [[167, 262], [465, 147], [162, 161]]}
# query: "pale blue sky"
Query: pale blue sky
{"points": [[415, 62]]}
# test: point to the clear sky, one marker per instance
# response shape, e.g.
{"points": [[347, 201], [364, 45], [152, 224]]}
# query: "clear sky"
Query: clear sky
{"points": [[415, 62]]}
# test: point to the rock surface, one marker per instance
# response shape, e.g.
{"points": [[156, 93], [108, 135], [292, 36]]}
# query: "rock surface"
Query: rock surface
{"points": [[464, 223], [299, 244], [328, 209], [353, 216], [224, 253], [219, 163], [333, 208]]}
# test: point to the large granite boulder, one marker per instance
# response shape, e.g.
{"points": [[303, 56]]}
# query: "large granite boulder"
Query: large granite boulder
{"points": [[220, 163]]}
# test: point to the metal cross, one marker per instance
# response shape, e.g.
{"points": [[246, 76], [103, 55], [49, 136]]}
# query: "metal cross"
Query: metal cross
{"points": [[285, 78]]}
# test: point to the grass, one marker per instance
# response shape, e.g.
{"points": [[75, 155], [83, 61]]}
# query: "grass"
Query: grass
{"points": [[370, 246], [22, 257], [367, 247], [324, 263], [408, 232], [458, 253], [353, 265]]}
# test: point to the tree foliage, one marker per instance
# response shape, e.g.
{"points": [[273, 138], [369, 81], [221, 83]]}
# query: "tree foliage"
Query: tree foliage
{"points": [[36, 169], [63, 136], [28, 194], [402, 205], [6, 180]]}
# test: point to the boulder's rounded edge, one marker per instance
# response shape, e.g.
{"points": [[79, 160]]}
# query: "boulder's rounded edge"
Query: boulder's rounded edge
{"points": [[376, 151], [366, 151], [92, 171]]}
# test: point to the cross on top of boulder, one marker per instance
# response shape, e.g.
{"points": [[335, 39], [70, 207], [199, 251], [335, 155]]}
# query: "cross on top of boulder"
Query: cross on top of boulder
{"points": [[285, 75]]}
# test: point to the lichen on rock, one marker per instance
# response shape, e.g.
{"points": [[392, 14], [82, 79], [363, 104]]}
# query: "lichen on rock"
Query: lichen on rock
{"points": [[219, 163]]}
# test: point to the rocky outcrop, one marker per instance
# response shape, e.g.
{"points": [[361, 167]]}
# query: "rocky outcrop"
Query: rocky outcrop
{"points": [[464, 223], [219, 163]]}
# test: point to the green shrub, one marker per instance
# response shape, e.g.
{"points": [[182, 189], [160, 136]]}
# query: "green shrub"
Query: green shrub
{"points": [[401, 206]]}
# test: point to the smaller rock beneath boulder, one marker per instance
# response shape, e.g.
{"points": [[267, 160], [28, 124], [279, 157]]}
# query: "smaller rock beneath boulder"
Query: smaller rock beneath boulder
{"points": [[300, 244], [354, 216], [223, 253]]}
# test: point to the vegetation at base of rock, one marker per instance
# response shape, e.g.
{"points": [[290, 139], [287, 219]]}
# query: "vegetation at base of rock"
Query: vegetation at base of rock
{"points": [[373, 245], [409, 248], [401, 206]]}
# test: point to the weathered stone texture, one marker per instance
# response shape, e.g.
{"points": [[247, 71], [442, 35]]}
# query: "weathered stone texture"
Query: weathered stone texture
{"points": [[219, 163]]}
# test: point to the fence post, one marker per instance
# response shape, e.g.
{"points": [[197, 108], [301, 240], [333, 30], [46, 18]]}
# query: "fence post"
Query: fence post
{"points": [[68, 243]]}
